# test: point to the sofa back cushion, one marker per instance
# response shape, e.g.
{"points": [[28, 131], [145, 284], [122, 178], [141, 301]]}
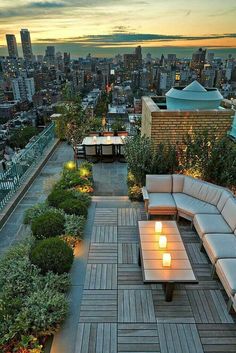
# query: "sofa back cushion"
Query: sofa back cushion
{"points": [[229, 212], [202, 190], [224, 197], [178, 182], [159, 183]]}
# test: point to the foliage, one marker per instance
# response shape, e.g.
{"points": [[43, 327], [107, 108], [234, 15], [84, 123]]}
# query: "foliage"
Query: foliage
{"points": [[165, 160], [139, 153], [52, 255], [85, 169], [27, 344], [47, 225], [135, 193], [74, 206], [30, 303], [209, 157], [57, 196], [130, 179], [72, 179], [118, 125], [74, 226], [38, 210], [21, 137]]}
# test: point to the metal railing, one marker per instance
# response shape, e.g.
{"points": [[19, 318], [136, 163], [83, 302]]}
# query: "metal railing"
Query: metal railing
{"points": [[14, 176]]}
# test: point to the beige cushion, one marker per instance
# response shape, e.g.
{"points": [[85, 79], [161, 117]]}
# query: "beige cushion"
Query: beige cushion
{"points": [[229, 213], [201, 190], [178, 182], [191, 206], [210, 223], [159, 183], [224, 197], [220, 246], [225, 269], [161, 201]]}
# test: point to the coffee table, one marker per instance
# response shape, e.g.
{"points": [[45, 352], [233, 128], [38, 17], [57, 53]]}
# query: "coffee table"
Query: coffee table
{"points": [[150, 257]]}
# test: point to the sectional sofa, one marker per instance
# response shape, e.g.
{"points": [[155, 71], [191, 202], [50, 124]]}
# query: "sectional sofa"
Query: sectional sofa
{"points": [[212, 211]]}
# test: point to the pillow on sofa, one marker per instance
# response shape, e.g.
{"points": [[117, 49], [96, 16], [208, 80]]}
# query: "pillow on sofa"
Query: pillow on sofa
{"points": [[159, 183], [178, 182], [224, 197], [202, 190], [229, 213]]}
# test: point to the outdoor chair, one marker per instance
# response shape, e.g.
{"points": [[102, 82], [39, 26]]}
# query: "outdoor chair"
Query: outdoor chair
{"points": [[108, 153], [91, 153], [121, 156]]}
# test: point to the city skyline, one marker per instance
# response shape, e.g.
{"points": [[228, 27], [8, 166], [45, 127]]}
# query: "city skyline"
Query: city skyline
{"points": [[106, 26]]}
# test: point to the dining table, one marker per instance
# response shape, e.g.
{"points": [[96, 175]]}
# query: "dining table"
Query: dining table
{"points": [[103, 140]]}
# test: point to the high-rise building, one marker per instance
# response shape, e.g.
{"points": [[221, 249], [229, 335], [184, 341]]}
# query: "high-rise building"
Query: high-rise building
{"points": [[133, 61], [50, 55], [198, 59], [26, 45], [23, 88], [12, 46]]}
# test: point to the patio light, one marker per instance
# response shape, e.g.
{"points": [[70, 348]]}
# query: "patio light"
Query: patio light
{"points": [[166, 260], [158, 227], [162, 242]]}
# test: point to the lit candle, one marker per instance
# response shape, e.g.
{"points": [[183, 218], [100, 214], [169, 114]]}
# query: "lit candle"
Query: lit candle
{"points": [[108, 138], [94, 138], [158, 227], [166, 260], [162, 242]]}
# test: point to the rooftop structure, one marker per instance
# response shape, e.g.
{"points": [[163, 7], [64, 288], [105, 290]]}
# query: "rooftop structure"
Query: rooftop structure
{"points": [[194, 96]]}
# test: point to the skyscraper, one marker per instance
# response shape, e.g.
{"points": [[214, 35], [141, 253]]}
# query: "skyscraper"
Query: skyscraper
{"points": [[26, 45], [12, 46], [50, 55], [198, 59]]}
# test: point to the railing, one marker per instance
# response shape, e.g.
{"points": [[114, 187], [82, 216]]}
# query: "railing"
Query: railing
{"points": [[14, 176]]}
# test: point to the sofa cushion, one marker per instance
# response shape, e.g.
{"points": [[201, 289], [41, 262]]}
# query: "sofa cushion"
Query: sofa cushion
{"points": [[210, 223], [224, 197], [191, 206], [220, 246], [229, 212], [161, 201], [225, 269], [159, 183], [178, 182], [202, 190]]}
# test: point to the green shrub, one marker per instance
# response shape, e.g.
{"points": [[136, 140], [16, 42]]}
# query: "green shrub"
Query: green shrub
{"points": [[83, 197], [30, 303], [38, 210], [57, 196], [52, 255], [47, 225], [44, 311], [87, 165], [74, 226], [71, 179], [73, 206]]}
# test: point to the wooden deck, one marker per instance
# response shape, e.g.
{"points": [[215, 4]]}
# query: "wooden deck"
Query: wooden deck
{"points": [[119, 313]]}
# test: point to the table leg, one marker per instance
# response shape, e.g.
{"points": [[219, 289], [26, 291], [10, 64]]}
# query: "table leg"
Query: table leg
{"points": [[139, 257], [169, 289]]}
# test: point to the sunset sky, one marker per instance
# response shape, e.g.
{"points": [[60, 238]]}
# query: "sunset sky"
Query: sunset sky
{"points": [[114, 24]]}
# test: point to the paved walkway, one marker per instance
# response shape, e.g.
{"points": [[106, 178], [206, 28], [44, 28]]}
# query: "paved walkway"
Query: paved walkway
{"points": [[14, 230]]}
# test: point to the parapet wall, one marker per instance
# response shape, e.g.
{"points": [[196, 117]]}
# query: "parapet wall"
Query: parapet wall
{"points": [[172, 126]]}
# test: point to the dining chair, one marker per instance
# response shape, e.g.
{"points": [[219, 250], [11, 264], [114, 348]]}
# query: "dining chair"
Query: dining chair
{"points": [[108, 152], [91, 152]]}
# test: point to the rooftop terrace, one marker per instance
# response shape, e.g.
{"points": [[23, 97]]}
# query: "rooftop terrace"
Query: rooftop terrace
{"points": [[111, 309]]}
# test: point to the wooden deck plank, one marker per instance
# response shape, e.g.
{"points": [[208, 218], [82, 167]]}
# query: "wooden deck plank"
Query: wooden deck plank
{"points": [[135, 306], [101, 276], [179, 338], [104, 234]]}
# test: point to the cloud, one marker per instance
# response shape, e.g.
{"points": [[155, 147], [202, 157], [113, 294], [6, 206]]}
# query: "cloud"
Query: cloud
{"points": [[47, 4], [124, 38]]}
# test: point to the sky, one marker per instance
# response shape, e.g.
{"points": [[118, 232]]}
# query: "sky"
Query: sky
{"points": [[112, 26]]}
